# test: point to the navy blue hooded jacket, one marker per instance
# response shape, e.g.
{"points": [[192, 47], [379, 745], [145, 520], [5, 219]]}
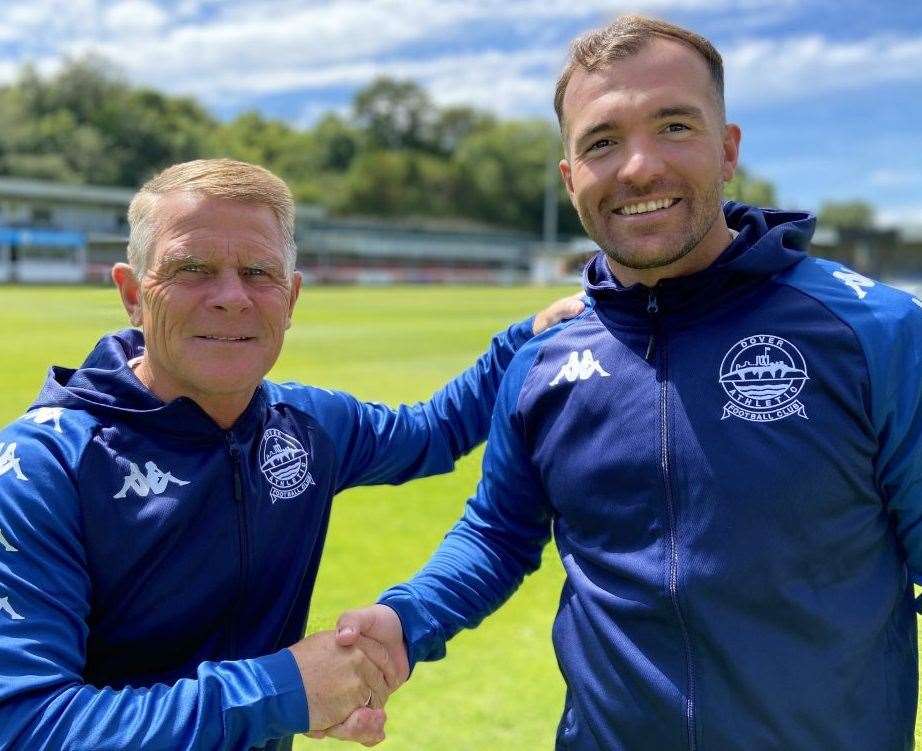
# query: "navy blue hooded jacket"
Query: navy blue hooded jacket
{"points": [[731, 467], [153, 567]]}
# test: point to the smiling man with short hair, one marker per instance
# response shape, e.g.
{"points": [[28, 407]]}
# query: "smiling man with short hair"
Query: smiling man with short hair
{"points": [[733, 483], [163, 508]]}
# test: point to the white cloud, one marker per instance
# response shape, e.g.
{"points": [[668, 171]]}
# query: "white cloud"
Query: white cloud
{"points": [[763, 71], [894, 178], [134, 17]]}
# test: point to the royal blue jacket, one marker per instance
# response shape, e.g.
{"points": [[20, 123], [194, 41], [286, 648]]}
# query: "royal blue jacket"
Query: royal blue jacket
{"points": [[153, 567], [730, 464]]}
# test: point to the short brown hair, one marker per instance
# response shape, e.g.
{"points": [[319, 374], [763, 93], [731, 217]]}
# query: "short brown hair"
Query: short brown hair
{"points": [[221, 178], [626, 36]]}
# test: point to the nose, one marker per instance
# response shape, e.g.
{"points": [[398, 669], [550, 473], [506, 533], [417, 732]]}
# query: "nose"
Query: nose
{"points": [[642, 165], [229, 292]]}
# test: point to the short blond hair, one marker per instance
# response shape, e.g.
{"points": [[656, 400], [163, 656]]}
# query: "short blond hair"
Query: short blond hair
{"points": [[624, 37], [220, 178]]}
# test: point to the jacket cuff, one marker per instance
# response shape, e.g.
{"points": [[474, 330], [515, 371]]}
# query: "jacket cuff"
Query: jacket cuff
{"points": [[285, 711], [422, 637]]}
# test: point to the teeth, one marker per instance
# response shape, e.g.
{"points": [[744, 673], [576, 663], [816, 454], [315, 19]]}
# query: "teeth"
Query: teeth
{"points": [[645, 207]]}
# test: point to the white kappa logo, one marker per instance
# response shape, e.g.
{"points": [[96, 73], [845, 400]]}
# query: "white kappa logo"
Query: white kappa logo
{"points": [[577, 369], [9, 461], [285, 463], [46, 414], [155, 480], [762, 375], [6, 544], [858, 283], [8, 609]]}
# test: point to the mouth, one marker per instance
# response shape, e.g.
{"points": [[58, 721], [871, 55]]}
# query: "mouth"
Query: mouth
{"points": [[225, 339], [646, 208]]}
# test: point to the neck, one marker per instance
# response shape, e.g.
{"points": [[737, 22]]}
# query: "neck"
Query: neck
{"points": [[224, 409], [708, 250]]}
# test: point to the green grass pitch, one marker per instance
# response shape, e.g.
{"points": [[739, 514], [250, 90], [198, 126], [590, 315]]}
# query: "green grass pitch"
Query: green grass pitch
{"points": [[499, 688]]}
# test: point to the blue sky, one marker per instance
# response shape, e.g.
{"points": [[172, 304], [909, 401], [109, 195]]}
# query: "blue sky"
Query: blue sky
{"points": [[828, 92]]}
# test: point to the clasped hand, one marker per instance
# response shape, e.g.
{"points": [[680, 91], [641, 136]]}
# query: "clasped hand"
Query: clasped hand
{"points": [[349, 674]]}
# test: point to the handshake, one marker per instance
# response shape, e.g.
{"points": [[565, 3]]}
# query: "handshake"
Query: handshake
{"points": [[349, 674]]}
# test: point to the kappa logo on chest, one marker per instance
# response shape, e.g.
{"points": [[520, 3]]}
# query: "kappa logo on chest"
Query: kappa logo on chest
{"points": [[285, 463], [154, 481]]}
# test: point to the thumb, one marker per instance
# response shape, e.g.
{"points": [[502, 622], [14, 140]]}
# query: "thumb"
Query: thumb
{"points": [[352, 624]]}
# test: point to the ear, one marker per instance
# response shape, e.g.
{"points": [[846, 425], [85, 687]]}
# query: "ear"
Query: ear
{"points": [[129, 288], [567, 174], [731, 149], [295, 291]]}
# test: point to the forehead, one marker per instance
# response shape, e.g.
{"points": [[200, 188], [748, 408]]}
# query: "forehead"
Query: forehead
{"points": [[663, 73], [216, 226]]}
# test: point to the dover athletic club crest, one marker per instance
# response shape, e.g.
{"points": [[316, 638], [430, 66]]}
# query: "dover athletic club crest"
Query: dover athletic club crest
{"points": [[284, 462], [763, 375]]}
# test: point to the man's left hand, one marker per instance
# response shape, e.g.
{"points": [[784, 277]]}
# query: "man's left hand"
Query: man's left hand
{"points": [[560, 310]]}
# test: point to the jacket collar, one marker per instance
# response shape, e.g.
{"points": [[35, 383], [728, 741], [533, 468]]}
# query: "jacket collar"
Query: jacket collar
{"points": [[769, 241], [106, 385]]}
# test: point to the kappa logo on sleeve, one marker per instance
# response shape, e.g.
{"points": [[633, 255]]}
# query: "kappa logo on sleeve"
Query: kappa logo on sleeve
{"points": [[577, 369], [6, 545], [156, 481], [44, 415], [5, 607], [10, 462], [860, 284], [285, 464]]}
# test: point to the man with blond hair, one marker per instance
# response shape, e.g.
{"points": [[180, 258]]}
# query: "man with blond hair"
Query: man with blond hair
{"points": [[733, 477], [163, 508]]}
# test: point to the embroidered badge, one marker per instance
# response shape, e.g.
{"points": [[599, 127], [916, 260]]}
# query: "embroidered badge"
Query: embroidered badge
{"points": [[285, 464], [763, 375]]}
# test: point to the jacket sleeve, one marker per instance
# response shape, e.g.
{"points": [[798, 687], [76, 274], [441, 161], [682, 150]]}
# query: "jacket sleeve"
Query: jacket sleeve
{"points": [[897, 412], [488, 553], [378, 445], [45, 594]]}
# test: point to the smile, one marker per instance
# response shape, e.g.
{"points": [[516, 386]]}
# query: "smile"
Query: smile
{"points": [[645, 207], [209, 338]]}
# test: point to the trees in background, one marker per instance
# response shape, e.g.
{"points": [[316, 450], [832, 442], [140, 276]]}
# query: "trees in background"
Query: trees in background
{"points": [[396, 154]]}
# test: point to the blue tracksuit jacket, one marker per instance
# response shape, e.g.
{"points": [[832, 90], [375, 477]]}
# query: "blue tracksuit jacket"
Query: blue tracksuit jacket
{"points": [[730, 464], [154, 567]]}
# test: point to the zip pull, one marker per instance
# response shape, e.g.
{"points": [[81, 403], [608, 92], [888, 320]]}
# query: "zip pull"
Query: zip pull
{"points": [[652, 311], [238, 481]]}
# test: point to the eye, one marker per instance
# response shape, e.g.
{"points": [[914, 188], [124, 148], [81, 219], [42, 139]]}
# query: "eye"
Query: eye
{"points": [[602, 143], [192, 267], [254, 271], [676, 128]]}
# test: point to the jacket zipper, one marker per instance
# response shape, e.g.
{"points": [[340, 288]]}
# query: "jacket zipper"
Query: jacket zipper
{"points": [[673, 583], [653, 312], [242, 534]]}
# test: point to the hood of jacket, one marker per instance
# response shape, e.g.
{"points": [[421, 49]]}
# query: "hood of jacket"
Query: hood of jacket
{"points": [[769, 241], [106, 387]]}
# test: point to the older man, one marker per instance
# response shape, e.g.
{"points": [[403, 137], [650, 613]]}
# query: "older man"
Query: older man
{"points": [[727, 446], [163, 508]]}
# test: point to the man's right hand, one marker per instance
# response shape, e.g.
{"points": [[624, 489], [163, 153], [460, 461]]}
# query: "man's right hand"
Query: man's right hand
{"points": [[377, 627], [339, 679]]}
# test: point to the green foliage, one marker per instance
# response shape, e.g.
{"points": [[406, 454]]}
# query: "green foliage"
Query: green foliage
{"points": [[747, 188], [398, 155], [86, 125], [847, 214]]}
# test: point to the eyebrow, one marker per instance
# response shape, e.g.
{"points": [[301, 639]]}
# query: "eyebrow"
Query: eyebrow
{"points": [[677, 110]]}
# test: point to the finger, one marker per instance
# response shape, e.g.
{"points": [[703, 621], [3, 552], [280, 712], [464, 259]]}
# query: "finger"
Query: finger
{"points": [[374, 680], [351, 624], [365, 726], [378, 654]]}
